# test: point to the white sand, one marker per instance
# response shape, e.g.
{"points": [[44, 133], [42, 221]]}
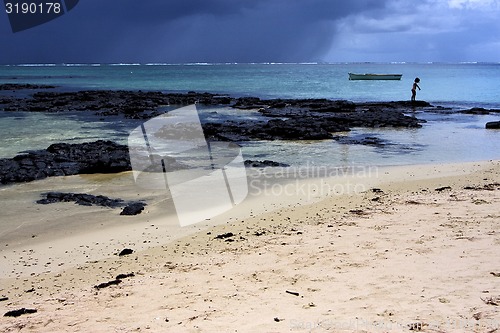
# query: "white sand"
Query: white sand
{"points": [[360, 261]]}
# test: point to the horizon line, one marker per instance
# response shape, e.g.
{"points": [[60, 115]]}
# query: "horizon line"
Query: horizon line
{"points": [[92, 64]]}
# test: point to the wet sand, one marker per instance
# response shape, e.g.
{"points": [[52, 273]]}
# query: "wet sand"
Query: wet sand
{"points": [[412, 247]]}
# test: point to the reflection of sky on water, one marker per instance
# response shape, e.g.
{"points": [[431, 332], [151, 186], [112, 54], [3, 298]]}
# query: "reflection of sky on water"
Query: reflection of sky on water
{"points": [[444, 138], [21, 131]]}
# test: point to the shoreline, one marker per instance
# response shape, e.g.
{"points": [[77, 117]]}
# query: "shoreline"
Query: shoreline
{"points": [[309, 252], [197, 281], [286, 120], [270, 188]]}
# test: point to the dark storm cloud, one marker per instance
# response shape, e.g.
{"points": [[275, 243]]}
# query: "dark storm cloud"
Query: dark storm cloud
{"points": [[183, 31], [427, 30]]}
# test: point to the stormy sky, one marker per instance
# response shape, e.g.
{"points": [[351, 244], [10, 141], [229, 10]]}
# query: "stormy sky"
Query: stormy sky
{"points": [[181, 31]]}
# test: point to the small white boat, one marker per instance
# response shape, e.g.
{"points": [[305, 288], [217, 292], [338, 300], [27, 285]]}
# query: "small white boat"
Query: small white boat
{"points": [[353, 76]]}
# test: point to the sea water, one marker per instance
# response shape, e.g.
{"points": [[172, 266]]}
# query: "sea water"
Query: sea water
{"points": [[458, 83], [445, 137]]}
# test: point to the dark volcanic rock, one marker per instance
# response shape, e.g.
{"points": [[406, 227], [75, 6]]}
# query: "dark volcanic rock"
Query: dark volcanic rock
{"points": [[63, 159], [274, 129], [92, 157], [107, 284], [295, 129], [309, 113], [402, 104], [83, 199], [443, 188], [480, 111], [291, 119], [283, 119], [287, 119], [292, 122], [125, 252], [224, 236], [361, 140], [131, 104], [339, 116], [375, 118], [23, 86], [19, 312], [134, 208], [493, 125], [114, 282], [264, 164], [124, 276]]}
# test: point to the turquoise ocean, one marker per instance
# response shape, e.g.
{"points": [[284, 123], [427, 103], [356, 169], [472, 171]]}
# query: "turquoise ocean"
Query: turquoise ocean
{"points": [[447, 136]]}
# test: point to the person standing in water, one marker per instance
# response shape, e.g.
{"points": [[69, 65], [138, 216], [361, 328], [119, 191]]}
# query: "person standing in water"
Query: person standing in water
{"points": [[414, 89]]}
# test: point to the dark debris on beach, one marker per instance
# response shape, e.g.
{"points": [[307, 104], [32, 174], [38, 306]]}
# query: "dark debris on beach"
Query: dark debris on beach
{"points": [[19, 312], [84, 199], [119, 278]]}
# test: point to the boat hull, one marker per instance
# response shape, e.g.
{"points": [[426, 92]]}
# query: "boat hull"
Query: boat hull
{"points": [[353, 76]]}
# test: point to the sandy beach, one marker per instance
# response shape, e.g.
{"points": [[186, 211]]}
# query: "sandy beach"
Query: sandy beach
{"points": [[412, 248]]}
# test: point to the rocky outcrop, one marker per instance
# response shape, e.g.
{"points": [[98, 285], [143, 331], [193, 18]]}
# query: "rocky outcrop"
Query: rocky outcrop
{"points": [[366, 140], [480, 111], [63, 159], [23, 86], [284, 119], [131, 104], [493, 125], [274, 129], [315, 115], [264, 164], [84, 199], [19, 312], [309, 120], [133, 208]]}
